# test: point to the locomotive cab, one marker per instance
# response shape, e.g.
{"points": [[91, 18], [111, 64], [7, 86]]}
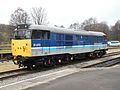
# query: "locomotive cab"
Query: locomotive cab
{"points": [[25, 40], [21, 44]]}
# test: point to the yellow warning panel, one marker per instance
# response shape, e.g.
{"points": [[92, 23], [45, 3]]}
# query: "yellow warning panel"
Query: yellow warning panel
{"points": [[21, 47]]}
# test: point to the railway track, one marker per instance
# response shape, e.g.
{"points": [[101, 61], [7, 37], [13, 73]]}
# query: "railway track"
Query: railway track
{"points": [[22, 72], [106, 63], [111, 54], [11, 73]]}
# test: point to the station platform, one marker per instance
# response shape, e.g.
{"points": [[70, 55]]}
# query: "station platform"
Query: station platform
{"points": [[99, 79]]}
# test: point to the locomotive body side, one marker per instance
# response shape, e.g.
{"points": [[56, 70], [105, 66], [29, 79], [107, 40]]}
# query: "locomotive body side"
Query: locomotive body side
{"points": [[59, 44]]}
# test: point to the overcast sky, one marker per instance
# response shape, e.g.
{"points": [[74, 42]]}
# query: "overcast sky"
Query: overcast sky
{"points": [[65, 12]]}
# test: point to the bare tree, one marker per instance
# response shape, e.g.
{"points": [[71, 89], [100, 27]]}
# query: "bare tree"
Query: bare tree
{"points": [[89, 24], [39, 16], [6, 32], [62, 26], [116, 31], [93, 25], [75, 26], [19, 17]]}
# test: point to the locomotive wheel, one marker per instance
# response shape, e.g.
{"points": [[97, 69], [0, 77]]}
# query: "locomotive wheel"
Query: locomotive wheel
{"points": [[58, 60], [99, 54], [30, 67], [91, 55], [65, 60], [49, 62], [71, 58]]}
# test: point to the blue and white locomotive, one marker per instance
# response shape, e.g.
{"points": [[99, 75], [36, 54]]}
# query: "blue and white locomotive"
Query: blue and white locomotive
{"points": [[35, 45]]}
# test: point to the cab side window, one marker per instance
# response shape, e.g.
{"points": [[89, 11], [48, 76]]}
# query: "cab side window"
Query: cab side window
{"points": [[46, 35], [39, 34]]}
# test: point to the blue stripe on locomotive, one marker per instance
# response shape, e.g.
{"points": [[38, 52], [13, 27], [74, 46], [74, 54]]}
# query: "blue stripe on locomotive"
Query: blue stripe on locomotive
{"points": [[73, 47], [67, 40]]}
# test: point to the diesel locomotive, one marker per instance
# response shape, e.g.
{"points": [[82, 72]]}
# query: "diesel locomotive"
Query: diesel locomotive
{"points": [[36, 45]]}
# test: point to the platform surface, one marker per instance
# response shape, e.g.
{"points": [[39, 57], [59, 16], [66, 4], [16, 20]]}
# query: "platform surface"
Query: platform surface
{"points": [[103, 79]]}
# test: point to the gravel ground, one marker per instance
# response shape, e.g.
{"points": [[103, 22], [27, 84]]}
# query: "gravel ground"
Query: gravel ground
{"points": [[20, 78], [113, 50], [7, 66]]}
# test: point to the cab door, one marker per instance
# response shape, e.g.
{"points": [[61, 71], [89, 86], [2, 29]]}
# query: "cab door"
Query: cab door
{"points": [[45, 42]]}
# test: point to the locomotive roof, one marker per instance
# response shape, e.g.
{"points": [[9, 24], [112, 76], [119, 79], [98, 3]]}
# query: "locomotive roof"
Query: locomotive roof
{"points": [[66, 31]]}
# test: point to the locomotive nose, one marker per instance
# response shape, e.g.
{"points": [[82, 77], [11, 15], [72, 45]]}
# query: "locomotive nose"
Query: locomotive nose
{"points": [[21, 47]]}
